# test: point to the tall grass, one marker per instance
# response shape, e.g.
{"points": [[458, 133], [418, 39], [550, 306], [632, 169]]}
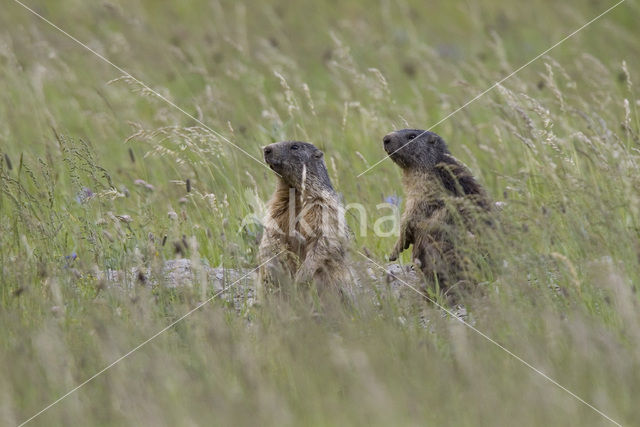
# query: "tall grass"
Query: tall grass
{"points": [[93, 165]]}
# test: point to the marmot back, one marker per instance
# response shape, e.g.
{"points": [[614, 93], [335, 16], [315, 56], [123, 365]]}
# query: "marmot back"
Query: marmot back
{"points": [[446, 208], [305, 221]]}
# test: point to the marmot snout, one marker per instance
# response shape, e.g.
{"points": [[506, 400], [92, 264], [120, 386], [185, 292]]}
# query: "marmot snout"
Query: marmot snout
{"points": [[296, 161], [426, 148]]}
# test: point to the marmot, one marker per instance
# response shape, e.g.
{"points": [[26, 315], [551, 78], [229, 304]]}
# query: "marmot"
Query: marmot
{"points": [[305, 219], [445, 208]]}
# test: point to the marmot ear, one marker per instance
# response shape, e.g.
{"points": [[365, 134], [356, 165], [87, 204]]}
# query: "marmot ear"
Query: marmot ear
{"points": [[318, 154]]}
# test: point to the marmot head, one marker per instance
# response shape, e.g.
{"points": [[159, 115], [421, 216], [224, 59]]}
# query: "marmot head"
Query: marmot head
{"points": [[296, 162], [415, 149]]}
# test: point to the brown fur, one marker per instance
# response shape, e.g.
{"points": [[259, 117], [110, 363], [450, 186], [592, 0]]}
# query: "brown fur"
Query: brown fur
{"points": [[305, 220], [446, 207]]}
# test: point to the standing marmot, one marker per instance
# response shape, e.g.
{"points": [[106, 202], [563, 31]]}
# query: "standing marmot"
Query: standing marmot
{"points": [[445, 207], [304, 219]]}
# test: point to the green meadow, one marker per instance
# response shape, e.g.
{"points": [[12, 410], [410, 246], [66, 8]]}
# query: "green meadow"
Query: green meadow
{"points": [[98, 173]]}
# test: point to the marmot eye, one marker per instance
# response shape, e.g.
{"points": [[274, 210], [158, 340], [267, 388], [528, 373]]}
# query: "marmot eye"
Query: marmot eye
{"points": [[411, 136], [295, 146]]}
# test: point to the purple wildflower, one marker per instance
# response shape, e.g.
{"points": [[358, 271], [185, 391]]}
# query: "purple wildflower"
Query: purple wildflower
{"points": [[69, 259], [84, 195], [393, 200]]}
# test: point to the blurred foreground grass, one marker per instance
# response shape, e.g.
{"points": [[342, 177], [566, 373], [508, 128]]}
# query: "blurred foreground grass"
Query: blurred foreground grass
{"points": [[96, 166]]}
